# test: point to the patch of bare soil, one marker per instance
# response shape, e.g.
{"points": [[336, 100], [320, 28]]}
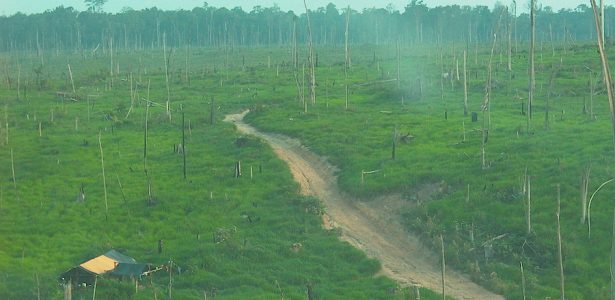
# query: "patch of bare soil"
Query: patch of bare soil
{"points": [[374, 226]]}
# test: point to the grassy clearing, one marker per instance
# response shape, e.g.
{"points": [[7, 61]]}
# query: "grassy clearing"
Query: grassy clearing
{"points": [[45, 231]]}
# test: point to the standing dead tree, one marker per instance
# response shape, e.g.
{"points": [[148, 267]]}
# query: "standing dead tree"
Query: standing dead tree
{"points": [[609, 87], [527, 191], [584, 192], [72, 82], [346, 48], [532, 78], [443, 267], [311, 62], [102, 162], [166, 72], [486, 108], [465, 83], [559, 246], [13, 172]]}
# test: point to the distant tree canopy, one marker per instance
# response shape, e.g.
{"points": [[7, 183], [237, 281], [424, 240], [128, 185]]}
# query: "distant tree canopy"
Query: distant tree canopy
{"points": [[66, 28], [95, 5]]}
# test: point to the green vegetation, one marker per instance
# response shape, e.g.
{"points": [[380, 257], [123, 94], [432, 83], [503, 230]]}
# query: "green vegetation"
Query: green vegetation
{"points": [[227, 236], [52, 141], [360, 139]]}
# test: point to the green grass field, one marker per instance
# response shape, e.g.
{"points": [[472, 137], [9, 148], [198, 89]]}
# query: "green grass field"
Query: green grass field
{"points": [[44, 231], [55, 151]]}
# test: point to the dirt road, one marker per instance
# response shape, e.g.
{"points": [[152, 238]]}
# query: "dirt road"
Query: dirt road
{"points": [[372, 227]]}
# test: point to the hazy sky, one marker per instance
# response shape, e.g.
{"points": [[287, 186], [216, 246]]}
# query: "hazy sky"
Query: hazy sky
{"points": [[9, 7]]}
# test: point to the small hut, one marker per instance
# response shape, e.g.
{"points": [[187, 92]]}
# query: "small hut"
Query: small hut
{"points": [[112, 263]]}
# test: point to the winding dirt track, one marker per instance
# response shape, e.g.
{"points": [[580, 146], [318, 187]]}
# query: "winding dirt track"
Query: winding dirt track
{"points": [[373, 227]]}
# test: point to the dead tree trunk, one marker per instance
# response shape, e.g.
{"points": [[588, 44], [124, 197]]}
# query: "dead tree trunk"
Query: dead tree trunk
{"points": [[443, 267], [147, 103], [465, 84], [584, 193], [13, 172], [522, 280], [398, 64], [211, 111], [527, 188], [532, 83], [184, 142], [102, 163], [166, 73], [394, 151], [347, 49], [311, 56], [559, 246], [19, 82], [70, 73]]}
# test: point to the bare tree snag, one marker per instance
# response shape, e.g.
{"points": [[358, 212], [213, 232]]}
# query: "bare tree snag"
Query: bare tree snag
{"points": [[119, 183], [132, 97], [346, 48], [13, 173], [398, 64], [584, 192], [465, 83], [72, 82], [102, 163], [527, 189], [394, 151], [443, 267], [346, 103], [591, 96], [559, 246], [605, 67], [95, 281], [166, 73], [184, 141], [602, 22], [532, 83], [522, 280], [311, 56], [212, 110], [18, 82], [147, 103], [295, 51], [589, 207]]}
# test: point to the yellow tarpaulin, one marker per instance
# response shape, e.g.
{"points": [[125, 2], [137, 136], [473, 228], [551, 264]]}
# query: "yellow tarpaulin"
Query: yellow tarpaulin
{"points": [[99, 265]]}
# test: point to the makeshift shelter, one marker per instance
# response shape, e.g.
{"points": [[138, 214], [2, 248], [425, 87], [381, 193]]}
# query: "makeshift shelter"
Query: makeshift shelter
{"points": [[112, 263]]}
